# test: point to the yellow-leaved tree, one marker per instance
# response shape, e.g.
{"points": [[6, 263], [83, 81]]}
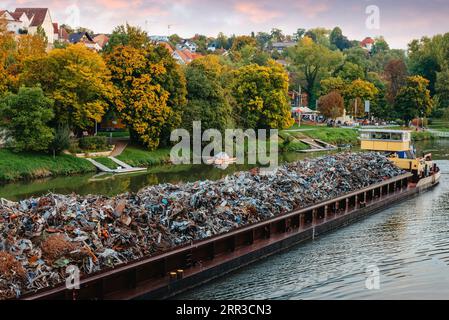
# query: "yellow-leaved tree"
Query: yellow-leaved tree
{"points": [[261, 94], [78, 81], [142, 102], [7, 58]]}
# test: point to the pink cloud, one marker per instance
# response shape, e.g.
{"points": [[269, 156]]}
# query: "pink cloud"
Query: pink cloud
{"points": [[255, 12], [311, 9]]}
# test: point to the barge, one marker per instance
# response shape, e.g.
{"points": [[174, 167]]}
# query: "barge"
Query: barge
{"points": [[168, 274]]}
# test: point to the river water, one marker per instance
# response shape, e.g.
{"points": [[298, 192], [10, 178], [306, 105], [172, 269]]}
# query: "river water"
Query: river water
{"points": [[408, 244]]}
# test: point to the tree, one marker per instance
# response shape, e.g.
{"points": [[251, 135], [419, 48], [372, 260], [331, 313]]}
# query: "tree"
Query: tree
{"points": [[333, 84], [8, 58], [380, 45], [350, 71], [337, 39], [357, 93], [299, 34], [142, 102], [61, 139], [68, 28], [413, 100], [221, 41], [395, 73], [442, 88], [41, 33], [314, 61], [261, 96], [208, 99], [26, 116], [172, 81], [174, 39], [277, 35], [319, 36], [426, 59], [263, 39], [127, 35], [78, 81], [243, 41], [331, 105]]}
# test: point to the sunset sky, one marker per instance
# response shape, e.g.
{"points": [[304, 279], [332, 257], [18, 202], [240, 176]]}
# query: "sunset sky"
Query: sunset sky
{"points": [[400, 20]]}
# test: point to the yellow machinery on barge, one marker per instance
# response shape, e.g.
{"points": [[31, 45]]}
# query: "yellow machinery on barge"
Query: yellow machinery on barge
{"points": [[397, 145]]}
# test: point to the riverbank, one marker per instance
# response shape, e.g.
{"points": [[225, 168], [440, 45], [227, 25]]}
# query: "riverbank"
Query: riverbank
{"points": [[28, 166]]}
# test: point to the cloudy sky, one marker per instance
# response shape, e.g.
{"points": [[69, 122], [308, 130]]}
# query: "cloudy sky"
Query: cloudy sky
{"points": [[400, 20]]}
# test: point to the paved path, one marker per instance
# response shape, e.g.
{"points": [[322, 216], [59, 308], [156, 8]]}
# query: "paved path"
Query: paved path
{"points": [[120, 146]]}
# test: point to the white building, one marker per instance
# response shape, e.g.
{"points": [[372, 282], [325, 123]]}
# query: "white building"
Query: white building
{"points": [[24, 20]]}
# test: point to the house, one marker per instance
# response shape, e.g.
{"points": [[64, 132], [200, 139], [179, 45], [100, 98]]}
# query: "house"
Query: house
{"points": [[212, 47], [184, 56], [167, 46], [101, 39], [59, 33], [367, 43], [12, 24], [187, 44], [34, 18], [160, 38], [86, 39], [282, 46]]}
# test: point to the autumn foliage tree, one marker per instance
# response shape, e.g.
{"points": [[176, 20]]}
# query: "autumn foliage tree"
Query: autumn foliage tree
{"points": [[331, 105], [261, 96], [357, 93], [414, 100], [142, 102], [8, 54], [396, 73], [78, 81]]}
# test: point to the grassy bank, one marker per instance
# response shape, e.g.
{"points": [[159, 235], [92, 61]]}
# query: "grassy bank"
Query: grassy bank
{"points": [[440, 125], [22, 166], [139, 157], [291, 140]]}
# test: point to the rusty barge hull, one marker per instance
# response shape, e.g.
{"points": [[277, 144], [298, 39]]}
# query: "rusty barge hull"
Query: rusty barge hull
{"points": [[207, 260]]}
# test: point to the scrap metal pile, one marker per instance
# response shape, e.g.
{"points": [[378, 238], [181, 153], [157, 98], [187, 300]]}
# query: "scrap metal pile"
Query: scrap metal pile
{"points": [[40, 237]]}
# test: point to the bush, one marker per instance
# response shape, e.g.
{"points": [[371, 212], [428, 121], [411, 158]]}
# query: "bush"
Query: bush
{"points": [[400, 122], [26, 117], [61, 141], [94, 144]]}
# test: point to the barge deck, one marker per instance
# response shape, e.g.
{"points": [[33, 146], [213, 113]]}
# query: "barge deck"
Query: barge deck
{"points": [[184, 268]]}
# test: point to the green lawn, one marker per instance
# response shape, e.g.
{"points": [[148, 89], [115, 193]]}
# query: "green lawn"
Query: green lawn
{"points": [[139, 157], [19, 166], [334, 135], [441, 125]]}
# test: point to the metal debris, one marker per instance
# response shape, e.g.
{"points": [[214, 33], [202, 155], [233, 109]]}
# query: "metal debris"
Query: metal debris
{"points": [[40, 237]]}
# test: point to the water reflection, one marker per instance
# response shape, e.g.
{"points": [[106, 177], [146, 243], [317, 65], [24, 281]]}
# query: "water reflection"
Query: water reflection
{"points": [[115, 184]]}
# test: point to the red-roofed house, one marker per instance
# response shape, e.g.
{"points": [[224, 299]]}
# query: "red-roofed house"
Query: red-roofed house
{"points": [[13, 22], [184, 56], [367, 43], [33, 18], [59, 33], [167, 46], [102, 40]]}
